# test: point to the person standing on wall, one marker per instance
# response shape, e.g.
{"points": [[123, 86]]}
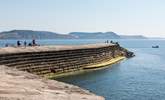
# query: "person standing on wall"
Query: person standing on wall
{"points": [[33, 42], [25, 43]]}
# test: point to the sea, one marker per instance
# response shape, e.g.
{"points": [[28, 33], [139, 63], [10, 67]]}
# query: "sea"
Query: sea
{"points": [[139, 78]]}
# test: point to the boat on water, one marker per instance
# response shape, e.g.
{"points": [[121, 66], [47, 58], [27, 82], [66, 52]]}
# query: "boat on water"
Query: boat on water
{"points": [[155, 46]]}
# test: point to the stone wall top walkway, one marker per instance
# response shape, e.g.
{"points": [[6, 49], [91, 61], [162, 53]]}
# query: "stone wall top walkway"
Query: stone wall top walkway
{"points": [[7, 50]]}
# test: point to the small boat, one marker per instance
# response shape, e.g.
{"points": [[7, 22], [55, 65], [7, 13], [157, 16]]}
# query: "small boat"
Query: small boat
{"points": [[155, 46]]}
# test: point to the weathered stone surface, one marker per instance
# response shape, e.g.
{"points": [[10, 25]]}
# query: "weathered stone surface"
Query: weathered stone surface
{"points": [[18, 85]]}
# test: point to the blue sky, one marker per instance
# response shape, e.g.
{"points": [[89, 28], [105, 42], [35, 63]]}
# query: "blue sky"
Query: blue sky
{"points": [[146, 17]]}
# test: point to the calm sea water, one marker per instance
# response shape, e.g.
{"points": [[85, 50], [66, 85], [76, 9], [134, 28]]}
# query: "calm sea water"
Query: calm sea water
{"points": [[138, 78]]}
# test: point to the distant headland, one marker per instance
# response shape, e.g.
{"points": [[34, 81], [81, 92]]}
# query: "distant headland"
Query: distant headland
{"points": [[29, 34]]}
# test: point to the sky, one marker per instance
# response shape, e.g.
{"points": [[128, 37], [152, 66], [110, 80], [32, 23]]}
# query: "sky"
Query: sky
{"points": [[126, 17]]}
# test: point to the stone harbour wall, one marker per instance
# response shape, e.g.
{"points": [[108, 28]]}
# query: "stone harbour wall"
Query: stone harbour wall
{"points": [[59, 61]]}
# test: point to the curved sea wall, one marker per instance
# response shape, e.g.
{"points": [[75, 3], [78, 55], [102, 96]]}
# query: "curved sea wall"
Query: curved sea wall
{"points": [[17, 64], [56, 60]]}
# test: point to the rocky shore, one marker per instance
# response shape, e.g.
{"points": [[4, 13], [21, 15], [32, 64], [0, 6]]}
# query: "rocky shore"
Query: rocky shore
{"points": [[19, 85]]}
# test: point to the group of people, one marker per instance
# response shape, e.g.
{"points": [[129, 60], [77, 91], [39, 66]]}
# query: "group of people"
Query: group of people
{"points": [[107, 41], [33, 43], [23, 43]]}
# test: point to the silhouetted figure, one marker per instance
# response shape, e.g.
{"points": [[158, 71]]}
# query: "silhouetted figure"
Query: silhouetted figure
{"points": [[106, 41], [18, 43], [33, 42], [117, 43], [25, 43], [6, 45], [30, 44], [111, 41]]}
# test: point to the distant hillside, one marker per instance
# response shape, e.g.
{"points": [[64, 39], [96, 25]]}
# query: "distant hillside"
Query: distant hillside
{"points": [[29, 34], [95, 35], [106, 35], [132, 37]]}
